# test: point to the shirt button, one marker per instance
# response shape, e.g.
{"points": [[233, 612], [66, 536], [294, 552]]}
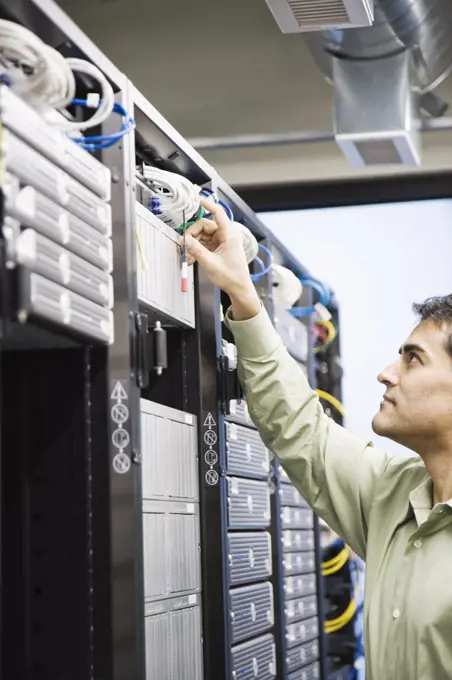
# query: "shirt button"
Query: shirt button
{"points": [[396, 614], [418, 543]]}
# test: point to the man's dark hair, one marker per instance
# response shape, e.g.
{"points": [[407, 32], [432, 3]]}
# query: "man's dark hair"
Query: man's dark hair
{"points": [[439, 311]]}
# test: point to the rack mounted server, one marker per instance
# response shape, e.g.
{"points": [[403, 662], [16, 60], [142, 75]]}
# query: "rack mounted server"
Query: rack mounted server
{"points": [[58, 224], [153, 506]]}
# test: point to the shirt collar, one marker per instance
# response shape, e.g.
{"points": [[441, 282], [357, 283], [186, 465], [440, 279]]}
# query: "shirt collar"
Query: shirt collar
{"points": [[421, 500]]}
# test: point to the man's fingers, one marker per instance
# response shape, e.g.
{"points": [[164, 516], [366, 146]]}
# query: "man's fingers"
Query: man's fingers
{"points": [[218, 213], [198, 252], [203, 228]]}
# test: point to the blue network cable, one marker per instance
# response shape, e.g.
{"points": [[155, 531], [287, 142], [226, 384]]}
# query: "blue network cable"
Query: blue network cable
{"points": [[324, 297], [264, 269], [99, 142], [225, 206]]}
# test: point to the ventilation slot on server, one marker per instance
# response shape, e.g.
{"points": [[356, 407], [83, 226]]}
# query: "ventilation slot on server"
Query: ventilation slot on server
{"points": [[42, 256], [171, 544], [297, 657], [238, 413], [251, 611], [35, 170], [171, 548], [291, 497], [33, 209], [301, 608], [311, 672], [159, 269], [301, 632], [295, 540], [248, 504], [298, 563], [17, 116], [57, 227], [297, 518], [173, 643], [299, 586], [246, 453], [255, 659], [170, 453], [249, 557]]}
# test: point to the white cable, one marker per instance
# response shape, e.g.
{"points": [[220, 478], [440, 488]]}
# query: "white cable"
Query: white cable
{"points": [[175, 196], [107, 97], [37, 71], [43, 77], [250, 244], [287, 288]]}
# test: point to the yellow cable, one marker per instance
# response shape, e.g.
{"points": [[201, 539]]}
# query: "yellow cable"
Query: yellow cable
{"points": [[333, 401], [141, 251], [335, 625], [334, 568], [333, 560], [331, 330]]}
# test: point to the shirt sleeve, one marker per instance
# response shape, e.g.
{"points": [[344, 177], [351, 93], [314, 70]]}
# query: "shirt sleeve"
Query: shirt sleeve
{"points": [[334, 470]]}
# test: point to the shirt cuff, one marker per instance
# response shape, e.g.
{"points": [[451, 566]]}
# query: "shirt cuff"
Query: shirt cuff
{"points": [[255, 337]]}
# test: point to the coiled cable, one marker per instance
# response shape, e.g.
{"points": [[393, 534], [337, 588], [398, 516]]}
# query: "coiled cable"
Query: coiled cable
{"points": [[175, 200], [324, 297], [45, 79]]}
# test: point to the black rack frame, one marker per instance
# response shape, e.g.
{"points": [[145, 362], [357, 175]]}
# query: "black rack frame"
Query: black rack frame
{"points": [[92, 545]]}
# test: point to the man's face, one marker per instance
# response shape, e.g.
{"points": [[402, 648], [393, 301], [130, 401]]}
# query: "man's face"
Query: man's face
{"points": [[416, 410]]}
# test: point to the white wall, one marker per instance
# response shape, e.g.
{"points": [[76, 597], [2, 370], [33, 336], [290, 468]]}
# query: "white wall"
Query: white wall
{"points": [[379, 260]]}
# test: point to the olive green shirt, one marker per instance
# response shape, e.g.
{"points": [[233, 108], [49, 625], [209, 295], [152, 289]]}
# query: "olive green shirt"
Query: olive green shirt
{"points": [[381, 505]]}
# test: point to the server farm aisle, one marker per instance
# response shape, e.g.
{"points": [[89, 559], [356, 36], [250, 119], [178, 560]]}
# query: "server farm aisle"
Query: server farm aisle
{"points": [[147, 533]]}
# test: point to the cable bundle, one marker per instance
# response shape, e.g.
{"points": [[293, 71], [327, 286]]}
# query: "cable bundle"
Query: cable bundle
{"points": [[333, 402], [335, 625], [39, 74], [324, 297], [99, 142], [336, 563], [175, 200], [333, 566], [326, 332], [45, 79]]}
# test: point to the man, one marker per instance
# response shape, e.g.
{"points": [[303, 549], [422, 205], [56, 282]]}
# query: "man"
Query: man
{"points": [[395, 513]]}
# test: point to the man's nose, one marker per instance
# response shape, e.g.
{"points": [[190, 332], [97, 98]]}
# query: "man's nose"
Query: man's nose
{"points": [[390, 375]]}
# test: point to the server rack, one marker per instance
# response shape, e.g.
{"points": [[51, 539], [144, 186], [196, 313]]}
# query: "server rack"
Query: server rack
{"points": [[299, 556], [100, 522]]}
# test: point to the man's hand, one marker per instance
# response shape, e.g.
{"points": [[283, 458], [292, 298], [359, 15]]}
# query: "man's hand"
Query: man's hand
{"points": [[218, 248]]}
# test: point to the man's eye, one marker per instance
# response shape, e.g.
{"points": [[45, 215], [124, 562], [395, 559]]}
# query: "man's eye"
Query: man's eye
{"points": [[411, 358]]}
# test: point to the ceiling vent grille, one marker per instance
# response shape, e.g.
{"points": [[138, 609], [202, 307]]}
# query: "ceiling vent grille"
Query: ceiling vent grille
{"points": [[376, 112], [298, 16]]}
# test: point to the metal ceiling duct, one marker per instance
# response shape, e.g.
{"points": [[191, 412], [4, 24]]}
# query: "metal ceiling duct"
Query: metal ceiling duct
{"points": [[384, 75], [376, 121], [424, 27]]}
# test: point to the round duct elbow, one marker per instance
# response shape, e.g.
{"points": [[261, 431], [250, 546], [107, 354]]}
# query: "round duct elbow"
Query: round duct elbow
{"points": [[423, 27]]}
